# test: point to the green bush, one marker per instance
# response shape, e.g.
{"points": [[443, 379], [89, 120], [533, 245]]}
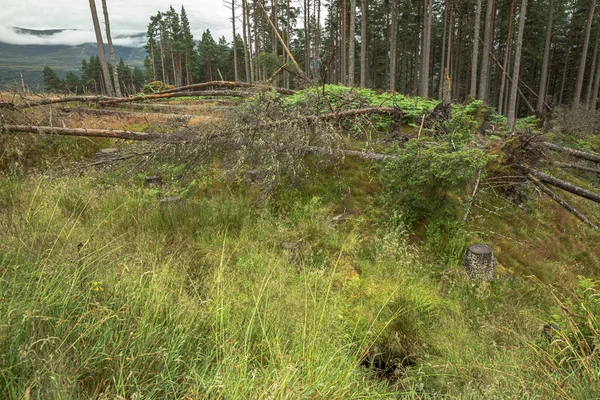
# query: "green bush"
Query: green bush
{"points": [[427, 180]]}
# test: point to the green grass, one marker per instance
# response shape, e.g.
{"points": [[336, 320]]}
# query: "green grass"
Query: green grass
{"points": [[104, 292]]}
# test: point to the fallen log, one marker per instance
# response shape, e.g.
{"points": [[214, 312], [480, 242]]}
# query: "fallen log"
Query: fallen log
{"points": [[577, 167], [559, 183], [103, 133], [337, 115], [230, 93], [572, 152], [173, 107], [205, 85], [120, 113], [355, 153], [34, 103], [562, 202]]}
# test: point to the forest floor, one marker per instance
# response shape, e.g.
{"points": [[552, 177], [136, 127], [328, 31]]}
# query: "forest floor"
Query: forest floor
{"points": [[207, 284]]}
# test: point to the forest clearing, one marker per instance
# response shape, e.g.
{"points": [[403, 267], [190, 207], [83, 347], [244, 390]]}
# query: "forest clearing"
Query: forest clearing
{"points": [[335, 199]]}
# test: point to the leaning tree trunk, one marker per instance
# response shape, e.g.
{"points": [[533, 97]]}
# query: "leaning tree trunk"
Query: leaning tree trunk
{"points": [[111, 50], [512, 104], [480, 262], [584, 51], [102, 55]]}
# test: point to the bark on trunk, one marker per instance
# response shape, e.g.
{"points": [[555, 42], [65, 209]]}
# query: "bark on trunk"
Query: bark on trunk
{"points": [[105, 133], [544, 74], [583, 60], [562, 202], [485, 58], [575, 153], [351, 45], [475, 55], [363, 44], [480, 262], [559, 183], [101, 53], [512, 104], [111, 50]]}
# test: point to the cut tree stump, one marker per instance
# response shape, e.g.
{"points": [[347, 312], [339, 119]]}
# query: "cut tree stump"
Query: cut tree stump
{"points": [[480, 262]]}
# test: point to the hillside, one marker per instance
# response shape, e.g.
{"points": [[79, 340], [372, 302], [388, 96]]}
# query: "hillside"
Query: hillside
{"points": [[31, 59]]}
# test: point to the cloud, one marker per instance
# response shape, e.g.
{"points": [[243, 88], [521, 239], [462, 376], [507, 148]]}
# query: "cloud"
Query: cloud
{"points": [[127, 16], [70, 37]]}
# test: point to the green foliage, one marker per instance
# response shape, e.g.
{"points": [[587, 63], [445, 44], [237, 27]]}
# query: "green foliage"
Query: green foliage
{"points": [[339, 98], [427, 181], [52, 81]]}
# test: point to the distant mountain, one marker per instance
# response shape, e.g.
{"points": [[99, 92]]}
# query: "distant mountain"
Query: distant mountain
{"points": [[30, 59]]}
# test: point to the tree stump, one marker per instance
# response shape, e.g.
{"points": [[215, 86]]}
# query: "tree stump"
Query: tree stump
{"points": [[480, 262]]}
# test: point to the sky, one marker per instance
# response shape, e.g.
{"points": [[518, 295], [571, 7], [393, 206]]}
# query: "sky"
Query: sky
{"points": [[126, 17]]}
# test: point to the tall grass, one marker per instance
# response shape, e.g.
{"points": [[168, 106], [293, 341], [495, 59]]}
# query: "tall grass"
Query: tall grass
{"points": [[105, 293]]}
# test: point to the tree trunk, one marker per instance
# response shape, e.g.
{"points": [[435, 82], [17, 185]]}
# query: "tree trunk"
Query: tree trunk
{"points": [[426, 49], [307, 37], [443, 58], [475, 55], [344, 42], [509, 39], [485, 56], [480, 262], [102, 55], [351, 45], [566, 68], [566, 186], [512, 104], [245, 38], [544, 75], [588, 92], [394, 45], [363, 44], [583, 60], [594, 103], [235, 57], [111, 50]]}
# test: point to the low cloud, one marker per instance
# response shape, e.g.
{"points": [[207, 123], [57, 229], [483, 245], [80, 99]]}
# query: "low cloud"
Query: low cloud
{"points": [[70, 37]]}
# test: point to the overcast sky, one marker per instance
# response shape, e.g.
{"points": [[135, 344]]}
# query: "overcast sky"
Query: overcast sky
{"points": [[126, 16]]}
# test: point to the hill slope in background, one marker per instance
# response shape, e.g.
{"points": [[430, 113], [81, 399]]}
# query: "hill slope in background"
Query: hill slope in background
{"points": [[30, 59]]}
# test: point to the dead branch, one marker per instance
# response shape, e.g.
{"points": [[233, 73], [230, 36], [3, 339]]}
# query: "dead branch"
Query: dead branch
{"points": [[572, 152], [158, 107], [221, 84], [120, 113], [559, 183], [103, 133], [473, 196], [562, 202], [230, 93], [577, 167], [337, 115]]}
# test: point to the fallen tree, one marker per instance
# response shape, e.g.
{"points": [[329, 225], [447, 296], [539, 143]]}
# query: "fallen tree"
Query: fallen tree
{"points": [[337, 115], [229, 93], [120, 113], [103, 133], [577, 167], [559, 183], [55, 100], [562, 202], [213, 84], [572, 152]]}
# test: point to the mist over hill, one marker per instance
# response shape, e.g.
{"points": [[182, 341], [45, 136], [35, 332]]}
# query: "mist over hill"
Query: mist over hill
{"points": [[27, 51]]}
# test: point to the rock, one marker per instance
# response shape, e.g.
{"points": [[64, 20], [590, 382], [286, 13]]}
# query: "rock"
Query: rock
{"points": [[480, 262]]}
